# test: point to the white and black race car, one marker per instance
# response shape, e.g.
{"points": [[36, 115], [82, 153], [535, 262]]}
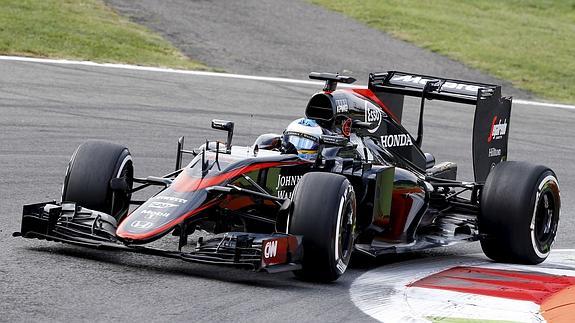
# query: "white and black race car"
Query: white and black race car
{"points": [[370, 190]]}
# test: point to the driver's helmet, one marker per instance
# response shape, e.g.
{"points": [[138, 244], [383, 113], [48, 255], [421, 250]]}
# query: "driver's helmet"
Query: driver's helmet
{"points": [[304, 134]]}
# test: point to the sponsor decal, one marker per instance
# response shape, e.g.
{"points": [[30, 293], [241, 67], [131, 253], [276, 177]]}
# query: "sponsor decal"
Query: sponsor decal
{"points": [[154, 214], [400, 140], [286, 183], [498, 130], [494, 152], [341, 266], [161, 205], [274, 251], [372, 115], [285, 194], [142, 224], [288, 180], [346, 127], [300, 134], [171, 199], [341, 106], [333, 140], [447, 85], [270, 249]]}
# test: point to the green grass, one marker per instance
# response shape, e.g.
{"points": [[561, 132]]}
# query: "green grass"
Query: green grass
{"points": [[528, 42], [82, 29]]}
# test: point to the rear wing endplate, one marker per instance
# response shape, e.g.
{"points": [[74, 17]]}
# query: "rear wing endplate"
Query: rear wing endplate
{"points": [[492, 112]]}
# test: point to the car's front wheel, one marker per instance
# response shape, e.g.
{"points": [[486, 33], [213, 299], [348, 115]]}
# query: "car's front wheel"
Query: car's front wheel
{"points": [[324, 213], [520, 206], [90, 172]]}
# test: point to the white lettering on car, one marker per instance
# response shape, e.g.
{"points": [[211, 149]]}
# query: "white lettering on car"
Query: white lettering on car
{"points": [[494, 152], [498, 130], [446, 85], [161, 205], [154, 214], [270, 249], [285, 181], [171, 198], [285, 194], [341, 106], [372, 115], [341, 266], [400, 140]]}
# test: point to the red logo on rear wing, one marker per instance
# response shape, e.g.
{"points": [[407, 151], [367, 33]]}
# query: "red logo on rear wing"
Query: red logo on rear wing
{"points": [[497, 130]]}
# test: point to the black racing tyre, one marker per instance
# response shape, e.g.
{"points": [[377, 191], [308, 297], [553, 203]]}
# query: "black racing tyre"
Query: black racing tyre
{"points": [[88, 176], [519, 217], [324, 213]]}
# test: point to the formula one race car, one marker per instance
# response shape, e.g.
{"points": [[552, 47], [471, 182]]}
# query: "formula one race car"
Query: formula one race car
{"points": [[368, 188]]}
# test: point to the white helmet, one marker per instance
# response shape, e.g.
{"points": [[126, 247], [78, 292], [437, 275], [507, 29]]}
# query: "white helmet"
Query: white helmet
{"points": [[304, 134]]}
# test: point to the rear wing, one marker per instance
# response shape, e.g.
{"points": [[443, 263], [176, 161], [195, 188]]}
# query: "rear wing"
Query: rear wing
{"points": [[492, 112]]}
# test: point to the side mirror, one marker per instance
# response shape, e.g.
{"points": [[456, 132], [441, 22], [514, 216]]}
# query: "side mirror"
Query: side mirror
{"points": [[226, 126], [328, 140], [361, 124], [429, 160], [119, 184], [222, 125]]}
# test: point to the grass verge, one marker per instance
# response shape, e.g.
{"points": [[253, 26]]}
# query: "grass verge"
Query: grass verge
{"points": [[528, 42], [82, 29]]}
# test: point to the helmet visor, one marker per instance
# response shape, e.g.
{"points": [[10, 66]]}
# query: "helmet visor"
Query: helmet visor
{"points": [[302, 143]]}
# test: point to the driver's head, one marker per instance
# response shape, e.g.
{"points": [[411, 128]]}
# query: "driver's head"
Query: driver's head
{"points": [[304, 134]]}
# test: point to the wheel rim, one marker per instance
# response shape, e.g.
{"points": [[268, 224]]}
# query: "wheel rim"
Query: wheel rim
{"points": [[345, 230], [345, 238], [545, 220], [545, 216], [121, 204]]}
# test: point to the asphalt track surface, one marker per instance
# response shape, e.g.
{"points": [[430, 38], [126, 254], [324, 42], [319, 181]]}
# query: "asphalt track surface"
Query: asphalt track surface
{"points": [[47, 110]]}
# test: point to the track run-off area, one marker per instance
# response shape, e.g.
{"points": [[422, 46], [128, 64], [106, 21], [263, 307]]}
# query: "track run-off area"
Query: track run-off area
{"points": [[49, 107]]}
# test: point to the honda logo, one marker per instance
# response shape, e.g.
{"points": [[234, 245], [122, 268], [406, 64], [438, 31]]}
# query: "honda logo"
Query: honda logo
{"points": [[142, 224]]}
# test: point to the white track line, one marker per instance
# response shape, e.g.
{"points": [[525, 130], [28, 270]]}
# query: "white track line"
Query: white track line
{"points": [[544, 104], [156, 69], [223, 75]]}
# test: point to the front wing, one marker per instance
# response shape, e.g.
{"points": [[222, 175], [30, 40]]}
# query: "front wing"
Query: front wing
{"points": [[68, 223]]}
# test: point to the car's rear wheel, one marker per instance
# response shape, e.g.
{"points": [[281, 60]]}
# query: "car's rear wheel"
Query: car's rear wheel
{"points": [[324, 213], [520, 206], [89, 174]]}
